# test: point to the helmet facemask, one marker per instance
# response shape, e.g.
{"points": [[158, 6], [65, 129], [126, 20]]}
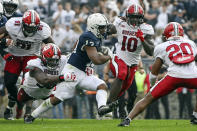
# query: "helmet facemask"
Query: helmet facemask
{"points": [[135, 19], [9, 8], [29, 30], [52, 63], [101, 31]]}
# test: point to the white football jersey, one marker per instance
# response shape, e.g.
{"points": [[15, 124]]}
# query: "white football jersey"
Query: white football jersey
{"points": [[31, 85], [129, 46], [25, 46], [169, 50]]}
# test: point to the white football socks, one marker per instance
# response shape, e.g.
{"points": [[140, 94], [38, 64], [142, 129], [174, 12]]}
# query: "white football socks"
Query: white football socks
{"points": [[101, 97], [42, 108], [195, 114]]}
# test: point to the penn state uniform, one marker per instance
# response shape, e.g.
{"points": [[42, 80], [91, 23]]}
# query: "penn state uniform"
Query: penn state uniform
{"points": [[79, 57], [128, 50], [3, 21], [32, 87], [78, 63], [178, 75]]}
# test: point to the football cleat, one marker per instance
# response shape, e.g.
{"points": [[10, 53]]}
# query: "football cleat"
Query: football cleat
{"points": [[104, 109], [28, 119], [193, 120], [8, 114], [125, 122]]}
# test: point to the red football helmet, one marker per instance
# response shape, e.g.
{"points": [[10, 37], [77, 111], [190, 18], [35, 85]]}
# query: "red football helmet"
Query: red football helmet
{"points": [[135, 15], [173, 29], [31, 23], [50, 55]]}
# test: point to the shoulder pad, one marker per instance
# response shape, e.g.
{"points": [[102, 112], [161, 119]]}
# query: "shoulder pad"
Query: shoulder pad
{"points": [[88, 39], [13, 24], [44, 30], [147, 29], [34, 63], [119, 20]]}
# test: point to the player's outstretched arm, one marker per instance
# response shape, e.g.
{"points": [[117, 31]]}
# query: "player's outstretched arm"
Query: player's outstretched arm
{"points": [[47, 80], [42, 78], [155, 70], [148, 45], [95, 57]]}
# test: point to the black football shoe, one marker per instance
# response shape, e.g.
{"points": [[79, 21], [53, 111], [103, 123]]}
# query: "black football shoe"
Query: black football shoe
{"points": [[193, 120], [28, 119], [125, 122], [107, 108], [8, 114]]}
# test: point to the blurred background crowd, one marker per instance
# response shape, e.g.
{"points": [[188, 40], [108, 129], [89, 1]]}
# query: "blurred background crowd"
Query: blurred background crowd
{"points": [[67, 19]]}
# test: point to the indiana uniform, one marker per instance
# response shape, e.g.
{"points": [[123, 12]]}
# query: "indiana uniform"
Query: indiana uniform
{"points": [[128, 51]]}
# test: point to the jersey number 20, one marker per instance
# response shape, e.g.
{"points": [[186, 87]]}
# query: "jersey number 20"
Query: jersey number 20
{"points": [[180, 54]]}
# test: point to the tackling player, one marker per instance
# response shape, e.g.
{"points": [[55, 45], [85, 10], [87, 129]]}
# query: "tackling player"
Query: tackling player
{"points": [[84, 55], [43, 76]]}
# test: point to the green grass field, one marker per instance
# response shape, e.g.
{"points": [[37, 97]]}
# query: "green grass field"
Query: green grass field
{"points": [[96, 125]]}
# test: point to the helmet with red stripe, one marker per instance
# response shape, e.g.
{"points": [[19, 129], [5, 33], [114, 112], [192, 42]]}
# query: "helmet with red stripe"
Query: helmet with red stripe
{"points": [[31, 23], [173, 29], [50, 55], [135, 15]]}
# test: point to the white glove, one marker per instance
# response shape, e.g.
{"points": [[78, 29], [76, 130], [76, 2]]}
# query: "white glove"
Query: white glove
{"points": [[69, 77], [107, 51]]}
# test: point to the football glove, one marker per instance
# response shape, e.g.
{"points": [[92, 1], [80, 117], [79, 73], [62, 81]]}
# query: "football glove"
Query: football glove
{"points": [[8, 57], [107, 51], [69, 77], [139, 34]]}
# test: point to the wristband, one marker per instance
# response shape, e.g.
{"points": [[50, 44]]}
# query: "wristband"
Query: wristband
{"points": [[61, 78]]}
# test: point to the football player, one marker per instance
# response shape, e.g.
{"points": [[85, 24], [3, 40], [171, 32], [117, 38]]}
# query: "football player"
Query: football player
{"points": [[85, 54], [133, 35], [43, 76], [179, 54], [27, 34]]}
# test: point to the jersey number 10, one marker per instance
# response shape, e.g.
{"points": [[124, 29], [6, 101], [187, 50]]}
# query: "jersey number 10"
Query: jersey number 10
{"points": [[129, 42]]}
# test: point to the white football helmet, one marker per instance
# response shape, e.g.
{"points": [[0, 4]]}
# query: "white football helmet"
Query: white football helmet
{"points": [[95, 23], [10, 6]]}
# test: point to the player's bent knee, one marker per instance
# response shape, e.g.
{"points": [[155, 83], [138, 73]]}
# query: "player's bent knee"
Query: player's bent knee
{"points": [[102, 86], [54, 100]]}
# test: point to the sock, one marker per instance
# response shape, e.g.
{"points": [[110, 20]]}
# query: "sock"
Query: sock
{"points": [[129, 119], [8, 107], [195, 114], [28, 110], [101, 97], [42, 108]]}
